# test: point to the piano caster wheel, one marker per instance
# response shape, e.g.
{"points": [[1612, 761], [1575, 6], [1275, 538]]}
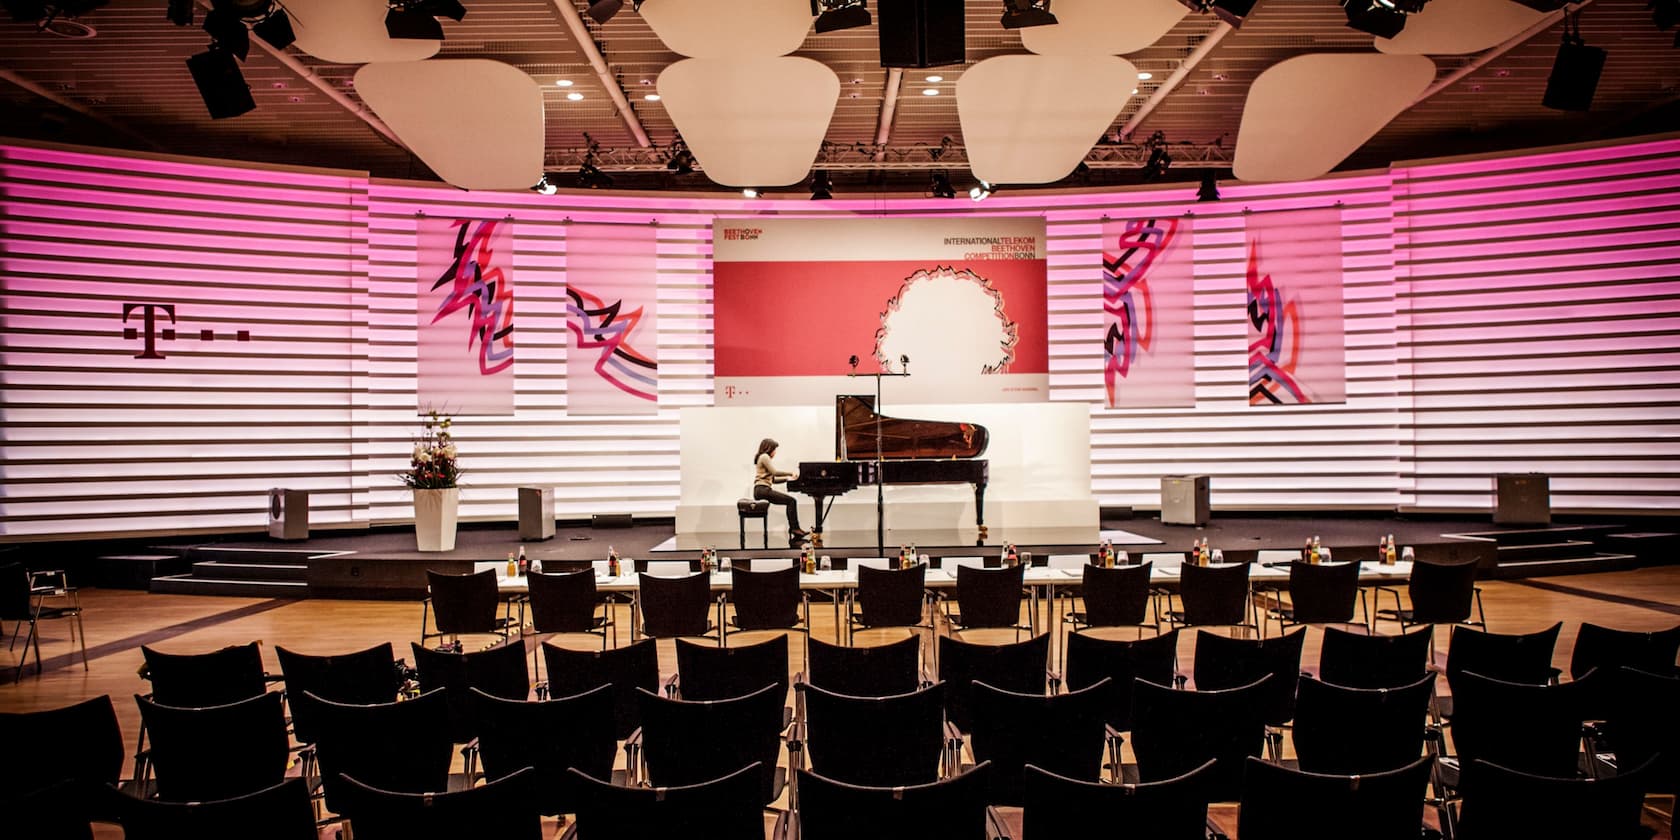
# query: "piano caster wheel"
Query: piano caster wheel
{"points": [[816, 539], [982, 532]]}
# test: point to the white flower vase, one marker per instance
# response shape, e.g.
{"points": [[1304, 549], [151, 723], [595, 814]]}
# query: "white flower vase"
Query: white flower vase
{"points": [[434, 518]]}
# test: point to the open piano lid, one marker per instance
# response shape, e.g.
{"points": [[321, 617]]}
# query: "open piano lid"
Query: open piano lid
{"points": [[856, 425]]}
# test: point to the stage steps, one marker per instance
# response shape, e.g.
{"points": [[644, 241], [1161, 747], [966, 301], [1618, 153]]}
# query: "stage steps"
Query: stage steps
{"points": [[239, 572], [1559, 550]]}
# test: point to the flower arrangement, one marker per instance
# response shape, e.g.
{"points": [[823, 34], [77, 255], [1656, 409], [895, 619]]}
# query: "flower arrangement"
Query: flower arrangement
{"points": [[433, 466]]}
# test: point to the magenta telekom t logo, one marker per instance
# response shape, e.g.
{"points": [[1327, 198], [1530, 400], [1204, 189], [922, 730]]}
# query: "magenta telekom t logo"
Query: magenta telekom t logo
{"points": [[148, 330]]}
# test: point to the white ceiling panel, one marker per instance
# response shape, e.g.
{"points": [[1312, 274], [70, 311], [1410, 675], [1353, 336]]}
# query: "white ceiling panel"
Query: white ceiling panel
{"points": [[729, 28], [477, 123], [351, 32], [1104, 27], [1030, 119], [751, 122], [1460, 27]]}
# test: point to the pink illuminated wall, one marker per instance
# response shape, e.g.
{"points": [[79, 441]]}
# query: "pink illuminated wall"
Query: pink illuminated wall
{"points": [[1502, 315]]}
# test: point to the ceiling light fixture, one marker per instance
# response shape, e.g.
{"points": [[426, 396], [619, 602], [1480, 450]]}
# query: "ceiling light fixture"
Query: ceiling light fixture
{"points": [[822, 187], [1145, 76], [574, 96], [750, 192], [180, 12], [602, 11], [1575, 71], [930, 91], [1159, 160], [682, 160], [940, 186], [1374, 17], [651, 97], [833, 15], [220, 83], [563, 82], [938, 79], [981, 191], [544, 186], [1232, 12], [1020, 14]]}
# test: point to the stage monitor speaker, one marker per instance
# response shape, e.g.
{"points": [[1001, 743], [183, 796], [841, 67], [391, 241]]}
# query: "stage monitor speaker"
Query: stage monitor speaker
{"points": [[920, 33], [610, 520], [1184, 500], [1574, 77], [536, 513], [1522, 499], [288, 514]]}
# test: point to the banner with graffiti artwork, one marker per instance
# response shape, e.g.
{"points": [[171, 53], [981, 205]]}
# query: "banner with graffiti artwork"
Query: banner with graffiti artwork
{"points": [[1297, 350], [612, 366], [465, 310], [1148, 314]]}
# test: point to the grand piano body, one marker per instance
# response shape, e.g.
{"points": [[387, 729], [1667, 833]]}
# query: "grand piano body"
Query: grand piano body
{"points": [[910, 452]]}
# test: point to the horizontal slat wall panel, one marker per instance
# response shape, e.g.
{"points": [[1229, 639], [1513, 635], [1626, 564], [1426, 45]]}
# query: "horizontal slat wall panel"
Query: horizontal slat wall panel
{"points": [[1542, 299], [96, 440]]}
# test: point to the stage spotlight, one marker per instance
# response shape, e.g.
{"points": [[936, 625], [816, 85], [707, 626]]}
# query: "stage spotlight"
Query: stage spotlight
{"points": [[822, 188], [228, 31], [451, 9], [750, 192], [834, 15], [1159, 159], [180, 12], [1665, 14], [1020, 14], [1233, 12], [941, 186], [1374, 17], [408, 21], [681, 162], [1575, 72], [220, 83], [1209, 190], [591, 177], [276, 29], [544, 186], [981, 191]]}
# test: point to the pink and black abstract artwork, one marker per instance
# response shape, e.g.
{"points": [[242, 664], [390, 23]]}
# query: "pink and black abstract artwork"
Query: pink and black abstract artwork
{"points": [[1296, 336], [1148, 317], [465, 310]]}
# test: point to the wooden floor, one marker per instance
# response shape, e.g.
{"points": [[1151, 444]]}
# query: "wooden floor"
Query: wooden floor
{"points": [[118, 622]]}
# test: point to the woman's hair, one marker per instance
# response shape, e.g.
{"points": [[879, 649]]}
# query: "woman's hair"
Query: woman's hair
{"points": [[765, 446]]}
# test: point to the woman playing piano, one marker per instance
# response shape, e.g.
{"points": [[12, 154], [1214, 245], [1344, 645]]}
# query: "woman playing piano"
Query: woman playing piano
{"points": [[766, 476]]}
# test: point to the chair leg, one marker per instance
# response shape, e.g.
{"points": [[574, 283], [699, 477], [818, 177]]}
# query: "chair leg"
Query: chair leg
{"points": [[24, 657], [742, 522], [81, 637]]}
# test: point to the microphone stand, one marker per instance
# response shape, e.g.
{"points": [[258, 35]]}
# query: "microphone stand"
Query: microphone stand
{"points": [[880, 468]]}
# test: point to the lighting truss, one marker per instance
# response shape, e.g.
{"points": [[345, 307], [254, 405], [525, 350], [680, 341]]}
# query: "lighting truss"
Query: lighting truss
{"points": [[865, 156]]}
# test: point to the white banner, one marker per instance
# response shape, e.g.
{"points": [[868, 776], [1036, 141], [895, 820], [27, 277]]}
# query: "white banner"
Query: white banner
{"points": [[612, 311]]}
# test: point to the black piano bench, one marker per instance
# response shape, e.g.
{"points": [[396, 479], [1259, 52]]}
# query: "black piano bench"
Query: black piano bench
{"points": [[753, 509]]}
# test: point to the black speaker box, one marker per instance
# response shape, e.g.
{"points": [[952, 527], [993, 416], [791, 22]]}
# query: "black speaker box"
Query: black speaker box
{"points": [[1574, 77], [920, 33], [221, 84], [610, 520]]}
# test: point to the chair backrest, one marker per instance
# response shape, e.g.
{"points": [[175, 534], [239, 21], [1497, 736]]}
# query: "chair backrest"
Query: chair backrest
{"points": [[217, 678], [1061, 733], [217, 752], [890, 597], [1283, 804], [675, 606], [725, 807], [1442, 593], [281, 812], [397, 746], [1640, 723], [989, 597], [1524, 658], [1174, 732], [1532, 728], [954, 808], [1091, 660], [887, 741], [365, 676], [504, 808], [874, 671], [1501, 802], [1323, 593], [1607, 649], [1347, 731], [464, 603], [765, 600], [709, 672], [14, 592], [1214, 595], [81, 743], [626, 669], [563, 603], [548, 736], [686, 742], [1357, 660], [500, 670], [1055, 806], [1018, 667], [1118, 596], [1223, 662]]}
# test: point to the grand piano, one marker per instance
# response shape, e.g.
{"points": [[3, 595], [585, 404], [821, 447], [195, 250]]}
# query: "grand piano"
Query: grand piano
{"points": [[911, 452]]}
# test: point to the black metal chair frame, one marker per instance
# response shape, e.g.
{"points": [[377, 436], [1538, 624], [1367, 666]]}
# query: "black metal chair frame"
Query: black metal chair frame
{"points": [[1005, 583], [761, 585], [1091, 580], [638, 607], [1188, 572], [854, 598], [1285, 613], [27, 603], [483, 581], [1474, 616]]}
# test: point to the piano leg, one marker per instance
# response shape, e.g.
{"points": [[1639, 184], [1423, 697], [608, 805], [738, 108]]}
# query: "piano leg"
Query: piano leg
{"points": [[980, 511], [817, 530]]}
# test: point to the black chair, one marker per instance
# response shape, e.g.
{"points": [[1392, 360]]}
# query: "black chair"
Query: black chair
{"points": [[59, 754], [705, 672], [504, 809], [1520, 726], [1174, 732], [672, 607], [1061, 733], [1019, 667], [395, 746], [954, 807], [1358, 660], [1058, 808], [1321, 593], [1283, 804], [767, 600], [499, 671], [281, 812], [626, 669], [1213, 596], [23, 599], [1440, 593], [465, 605], [363, 677], [881, 741], [1345, 731], [727, 808], [1090, 660], [1640, 723], [873, 671], [567, 603], [195, 680], [688, 742], [217, 752], [889, 598], [548, 736], [1224, 663], [1607, 649], [1525, 658], [1500, 802], [1118, 596], [988, 599]]}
